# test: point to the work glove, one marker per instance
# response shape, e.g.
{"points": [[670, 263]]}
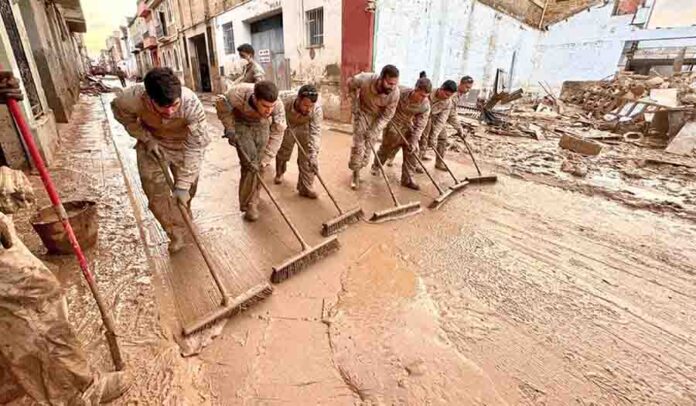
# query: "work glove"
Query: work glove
{"points": [[313, 164], [9, 87], [414, 148], [5, 233], [231, 137], [182, 196], [152, 148]]}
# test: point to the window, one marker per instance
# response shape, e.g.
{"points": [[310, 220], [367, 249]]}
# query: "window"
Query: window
{"points": [[315, 27], [177, 60], [228, 37], [623, 7]]}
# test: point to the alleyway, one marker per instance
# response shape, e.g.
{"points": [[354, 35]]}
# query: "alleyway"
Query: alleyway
{"points": [[516, 293]]}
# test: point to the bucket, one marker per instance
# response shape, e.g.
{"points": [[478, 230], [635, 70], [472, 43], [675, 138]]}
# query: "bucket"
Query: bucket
{"points": [[83, 219]]}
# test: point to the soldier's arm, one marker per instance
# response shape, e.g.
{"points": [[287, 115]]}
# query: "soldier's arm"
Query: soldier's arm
{"points": [[128, 117], [419, 124], [259, 74], [385, 117], [275, 138], [439, 120], [195, 144], [315, 132], [223, 108], [453, 119]]}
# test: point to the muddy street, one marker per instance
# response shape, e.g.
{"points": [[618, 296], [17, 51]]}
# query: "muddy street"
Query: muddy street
{"points": [[517, 293]]}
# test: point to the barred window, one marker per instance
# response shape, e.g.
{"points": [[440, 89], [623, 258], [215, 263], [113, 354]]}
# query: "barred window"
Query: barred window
{"points": [[315, 27], [228, 35]]}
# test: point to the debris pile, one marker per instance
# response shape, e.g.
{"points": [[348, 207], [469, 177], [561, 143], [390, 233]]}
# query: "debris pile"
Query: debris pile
{"points": [[16, 191], [94, 87]]}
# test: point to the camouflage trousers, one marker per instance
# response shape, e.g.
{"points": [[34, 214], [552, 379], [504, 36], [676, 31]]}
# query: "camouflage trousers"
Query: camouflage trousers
{"points": [[360, 152], [159, 196], [306, 177], [38, 348], [392, 142], [252, 141], [430, 139]]}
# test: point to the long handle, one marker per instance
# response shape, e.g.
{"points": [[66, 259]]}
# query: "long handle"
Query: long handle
{"points": [[439, 189], [304, 244], [441, 159], [471, 154], [110, 332], [328, 192], [384, 175], [196, 237]]}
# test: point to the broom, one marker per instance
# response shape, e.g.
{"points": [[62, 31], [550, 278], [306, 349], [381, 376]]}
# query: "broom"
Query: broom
{"points": [[344, 218], [399, 210], [229, 305], [308, 255], [480, 178], [458, 185]]}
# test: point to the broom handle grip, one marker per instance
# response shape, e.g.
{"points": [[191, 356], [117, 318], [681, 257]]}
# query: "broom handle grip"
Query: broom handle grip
{"points": [[304, 244], [28, 139], [384, 175], [196, 237], [439, 189], [471, 154], [304, 153]]}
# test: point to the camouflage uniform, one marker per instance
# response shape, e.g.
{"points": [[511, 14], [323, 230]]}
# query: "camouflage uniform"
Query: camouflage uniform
{"points": [[371, 114], [307, 129], [442, 112], [182, 142], [253, 73], [409, 120], [259, 138], [38, 348]]}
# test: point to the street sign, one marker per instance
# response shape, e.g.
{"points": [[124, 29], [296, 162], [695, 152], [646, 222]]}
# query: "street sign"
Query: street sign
{"points": [[264, 56]]}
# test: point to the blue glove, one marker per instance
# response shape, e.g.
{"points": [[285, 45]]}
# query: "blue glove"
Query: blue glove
{"points": [[182, 196]]}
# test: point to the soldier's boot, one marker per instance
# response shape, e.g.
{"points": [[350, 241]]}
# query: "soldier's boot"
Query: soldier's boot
{"points": [[440, 163], [410, 184], [281, 167], [355, 181], [308, 193], [252, 212], [374, 170], [176, 242], [107, 388]]}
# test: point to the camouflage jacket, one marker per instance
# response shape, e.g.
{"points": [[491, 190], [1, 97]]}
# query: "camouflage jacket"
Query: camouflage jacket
{"points": [[298, 122], [368, 100], [410, 118]]}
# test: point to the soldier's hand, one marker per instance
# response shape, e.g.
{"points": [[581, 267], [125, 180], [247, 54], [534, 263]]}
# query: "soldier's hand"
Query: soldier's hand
{"points": [[182, 196], [152, 148], [5, 234], [414, 147], [231, 137], [313, 163], [9, 87]]}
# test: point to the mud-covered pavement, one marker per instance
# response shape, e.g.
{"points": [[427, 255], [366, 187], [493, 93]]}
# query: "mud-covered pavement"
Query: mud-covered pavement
{"points": [[517, 292]]}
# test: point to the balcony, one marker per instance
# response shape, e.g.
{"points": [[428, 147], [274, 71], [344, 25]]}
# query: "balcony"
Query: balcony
{"points": [[143, 9], [149, 42]]}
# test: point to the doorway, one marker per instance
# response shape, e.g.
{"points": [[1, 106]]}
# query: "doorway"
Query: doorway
{"points": [[267, 40], [199, 63]]}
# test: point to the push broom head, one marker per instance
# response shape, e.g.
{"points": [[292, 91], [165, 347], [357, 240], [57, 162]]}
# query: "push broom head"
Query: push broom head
{"points": [[441, 199], [483, 179], [395, 213], [339, 223], [459, 185], [230, 307], [304, 259]]}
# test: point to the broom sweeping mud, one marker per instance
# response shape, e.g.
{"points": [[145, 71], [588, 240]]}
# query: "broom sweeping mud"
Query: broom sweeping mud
{"points": [[458, 185], [399, 210], [443, 194], [345, 218], [308, 255], [230, 305], [480, 178]]}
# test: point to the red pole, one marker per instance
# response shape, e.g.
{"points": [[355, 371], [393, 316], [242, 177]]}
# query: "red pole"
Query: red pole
{"points": [[25, 131]]}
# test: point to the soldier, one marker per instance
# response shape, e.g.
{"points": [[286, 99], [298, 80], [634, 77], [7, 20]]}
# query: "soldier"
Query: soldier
{"points": [[254, 121], [253, 72], [442, 111], [121, 76], [465, 85], [304, 117], [409, 120], [39, 352], [169, 122], [375, 98]]}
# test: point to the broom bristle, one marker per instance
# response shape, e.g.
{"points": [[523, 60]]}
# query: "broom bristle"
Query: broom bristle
{"points": [[441, 199], [396, 213], [236, 305], [304, 259], [483, 179], [459, 186], [339, 223]]}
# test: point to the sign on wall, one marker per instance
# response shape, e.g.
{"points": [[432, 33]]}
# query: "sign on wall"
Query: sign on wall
{"points": [[264, 56]]}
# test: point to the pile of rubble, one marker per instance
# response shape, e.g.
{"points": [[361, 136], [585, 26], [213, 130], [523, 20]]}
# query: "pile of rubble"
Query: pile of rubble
{"points": [[94, 87]]}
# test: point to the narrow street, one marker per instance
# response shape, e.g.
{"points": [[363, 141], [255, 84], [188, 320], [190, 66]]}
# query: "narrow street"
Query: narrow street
{"points": [[516, 292]]}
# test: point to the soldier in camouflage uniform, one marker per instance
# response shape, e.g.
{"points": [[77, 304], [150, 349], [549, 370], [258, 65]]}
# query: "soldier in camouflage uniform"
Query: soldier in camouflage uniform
{"points": [[304, 116], [40, 355], [254, 121], [375, 98], [442, 111], [410, 120], [169, 122], [253, 72]]}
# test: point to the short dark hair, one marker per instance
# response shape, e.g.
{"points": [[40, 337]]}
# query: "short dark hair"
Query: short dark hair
{"points": [[266, 90], [467, 79], [449, 86], [424, 84], [162, 86], [389, 71], [422, 75], [247, 49], [310, 92]]}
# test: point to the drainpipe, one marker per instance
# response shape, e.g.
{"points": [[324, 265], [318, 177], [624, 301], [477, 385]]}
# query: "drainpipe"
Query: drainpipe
{"points": [[371, 7], [543, 14]]}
